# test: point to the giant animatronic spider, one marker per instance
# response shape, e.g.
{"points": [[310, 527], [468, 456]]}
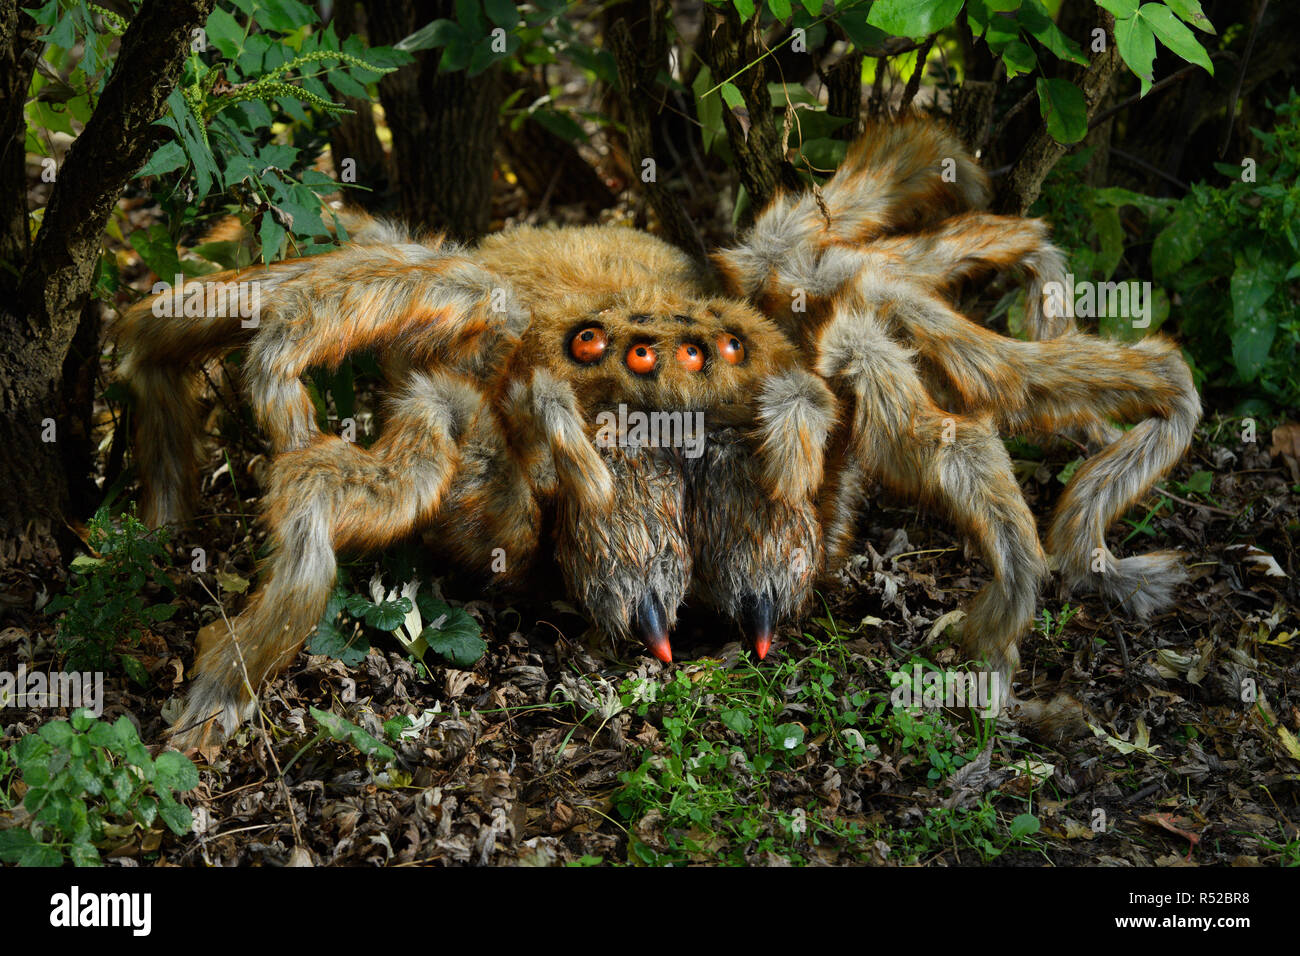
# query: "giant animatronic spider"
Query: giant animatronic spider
{"points": [[823, 355]]}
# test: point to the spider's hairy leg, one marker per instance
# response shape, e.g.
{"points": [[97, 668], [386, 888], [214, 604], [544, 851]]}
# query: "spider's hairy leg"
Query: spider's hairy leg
{"points": [[900, 175], [419, 303], [1148, 382], [331, 495], [161, 356], [901, 437], [1079, 380], [580, 471], [978, 244]]}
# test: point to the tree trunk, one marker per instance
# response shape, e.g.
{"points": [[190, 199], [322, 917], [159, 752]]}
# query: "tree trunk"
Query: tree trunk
{"points": [[444, 126], [549, 168], [637, 67], [732, 50], [1022, 184], [355, 138], [38, 322]]}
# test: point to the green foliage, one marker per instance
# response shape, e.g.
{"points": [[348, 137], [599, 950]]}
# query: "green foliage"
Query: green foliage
{"points": [[90, 785], [1139, 25], [1228, 253], [1019, 32], [265, 67], [1232, 254], [344, 731], [1052, 626], [103, 607], [1286, 850], [450, 632], [728, 736], [722, 737], [976, 829]]}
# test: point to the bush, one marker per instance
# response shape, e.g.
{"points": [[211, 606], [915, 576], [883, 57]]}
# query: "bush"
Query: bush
{"points": [[104, 607], [90, 784]]}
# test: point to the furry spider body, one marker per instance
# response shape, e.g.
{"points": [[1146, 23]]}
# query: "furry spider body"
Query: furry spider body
{"points": [[823, 355]]}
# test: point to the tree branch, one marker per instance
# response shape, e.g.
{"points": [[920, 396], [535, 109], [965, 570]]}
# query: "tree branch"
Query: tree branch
{"points": [[634, 89], [1022, 184], [117, 140]]}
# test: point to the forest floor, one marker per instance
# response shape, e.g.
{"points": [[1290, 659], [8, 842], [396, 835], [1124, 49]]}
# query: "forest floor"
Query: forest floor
{"points": [[1174, 739]]}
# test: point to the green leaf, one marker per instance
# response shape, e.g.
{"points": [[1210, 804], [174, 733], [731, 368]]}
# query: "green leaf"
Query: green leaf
{"points": [[394, 726], [1042, 28], [1177, 244], [15, 842], [1064, 109], [177, 816], [135, 670], [159, 612], [787, 736], [863, 35], [158, 251], [737, 721], [1122, 9], [357, 604], [42, 856], [1110, 239], [1175, 34], [1200, 483], [146, 811], [84, 854], [1066, 473], [561, 124], [225, 33], [86, 779], [1119, 197], [1137, 48], [101, 734], [181, 119], [1026, 824], [780, 9], [744, 7], [271, 235], [502, 12], [823, 154], [285, 16], [166, 157], [455, 636], [57, 732], [387, 616], [430, 36], [732, 96], [345, 731], [1191, 12], [350, 646], [1253, 323], [1019, 58], [175, 771], [913, 18]]}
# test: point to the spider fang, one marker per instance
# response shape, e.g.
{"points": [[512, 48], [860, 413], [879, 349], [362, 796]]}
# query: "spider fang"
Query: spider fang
{"points": [[649, 622]]}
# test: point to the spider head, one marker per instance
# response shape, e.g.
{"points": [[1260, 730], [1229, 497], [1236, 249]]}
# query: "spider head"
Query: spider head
{"points": [[708, 439]]}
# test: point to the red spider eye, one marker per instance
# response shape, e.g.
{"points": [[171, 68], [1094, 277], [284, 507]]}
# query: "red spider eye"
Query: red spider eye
{"points": [[691, 356], [731, 348], [641, 359], [589, 344]]}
